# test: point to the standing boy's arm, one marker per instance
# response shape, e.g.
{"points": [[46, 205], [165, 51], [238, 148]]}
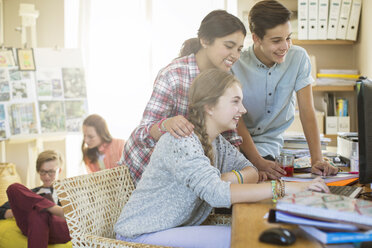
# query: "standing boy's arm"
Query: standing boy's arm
{"points": [[310, 127], [250, 151]]}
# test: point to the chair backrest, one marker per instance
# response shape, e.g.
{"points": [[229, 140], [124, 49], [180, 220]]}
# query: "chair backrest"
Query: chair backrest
{"points": [[92, 203]]}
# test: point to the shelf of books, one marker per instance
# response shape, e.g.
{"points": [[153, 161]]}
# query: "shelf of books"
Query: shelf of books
{"points": [[324, 22]]}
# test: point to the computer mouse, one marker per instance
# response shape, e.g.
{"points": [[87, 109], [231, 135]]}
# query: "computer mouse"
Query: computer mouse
{"points": [[278, 236]]}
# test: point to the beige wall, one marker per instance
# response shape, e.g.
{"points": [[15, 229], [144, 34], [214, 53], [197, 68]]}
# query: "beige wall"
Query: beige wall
{"points": [[50, 24], [364, 45]]}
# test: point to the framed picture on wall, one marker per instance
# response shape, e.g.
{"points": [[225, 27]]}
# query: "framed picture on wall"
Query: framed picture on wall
{"points": [[6, 57], [26, 61]]}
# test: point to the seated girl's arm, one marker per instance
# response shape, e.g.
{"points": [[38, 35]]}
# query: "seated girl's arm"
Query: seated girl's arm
{"points": [[233, 159], [262, 191], [248, 173]]}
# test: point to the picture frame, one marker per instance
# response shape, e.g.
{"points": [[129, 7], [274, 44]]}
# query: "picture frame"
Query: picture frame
{"points": [[6, 57], [26, 60]]}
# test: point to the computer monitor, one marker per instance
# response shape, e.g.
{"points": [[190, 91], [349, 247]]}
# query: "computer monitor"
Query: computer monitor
{"points": [[364, 89]]}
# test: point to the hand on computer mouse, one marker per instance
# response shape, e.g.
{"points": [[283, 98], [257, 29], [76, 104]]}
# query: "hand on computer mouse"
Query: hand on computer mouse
{"points": [[278, 236]]}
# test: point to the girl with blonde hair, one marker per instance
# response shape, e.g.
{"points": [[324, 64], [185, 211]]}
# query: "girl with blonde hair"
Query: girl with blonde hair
{"points": [[187, 177]]}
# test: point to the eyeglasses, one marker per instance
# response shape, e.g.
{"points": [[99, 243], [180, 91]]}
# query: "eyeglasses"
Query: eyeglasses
{"points": [[49, 172]]}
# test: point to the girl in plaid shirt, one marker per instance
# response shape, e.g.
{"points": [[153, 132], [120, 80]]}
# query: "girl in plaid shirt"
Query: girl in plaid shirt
{"points": [[219, 43]]}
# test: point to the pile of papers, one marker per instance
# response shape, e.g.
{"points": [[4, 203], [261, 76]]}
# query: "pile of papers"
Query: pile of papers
{"points": [[328, 218], [293, 140]]}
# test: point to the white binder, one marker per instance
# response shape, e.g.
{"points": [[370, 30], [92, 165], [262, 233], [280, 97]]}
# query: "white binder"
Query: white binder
{"points": [[313, 19], [343, 19], [323, 19], [352, 28], [334, 12], [303, 19]]}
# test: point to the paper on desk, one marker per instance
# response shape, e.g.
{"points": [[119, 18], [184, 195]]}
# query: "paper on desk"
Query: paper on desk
{"points": [[328, 179], [303, 162]]}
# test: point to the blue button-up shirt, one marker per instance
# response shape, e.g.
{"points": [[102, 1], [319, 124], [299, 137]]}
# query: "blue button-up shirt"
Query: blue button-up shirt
{"points": [[269, 95]]}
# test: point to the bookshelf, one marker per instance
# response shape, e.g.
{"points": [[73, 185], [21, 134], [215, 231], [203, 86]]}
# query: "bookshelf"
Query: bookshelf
{"points": [[322, 42], [333, 88]]}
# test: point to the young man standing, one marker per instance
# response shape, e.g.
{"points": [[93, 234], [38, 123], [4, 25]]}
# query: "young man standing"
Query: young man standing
{"points": [[271, 72], [38, 212]]}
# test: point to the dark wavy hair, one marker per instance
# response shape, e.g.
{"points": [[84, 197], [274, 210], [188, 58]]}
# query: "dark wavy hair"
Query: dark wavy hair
{"points": [[267, 14], [216, 24]]}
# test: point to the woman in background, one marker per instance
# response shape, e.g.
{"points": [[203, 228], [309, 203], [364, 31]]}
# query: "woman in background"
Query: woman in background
{"points": [[219, 43], [100, 149]]}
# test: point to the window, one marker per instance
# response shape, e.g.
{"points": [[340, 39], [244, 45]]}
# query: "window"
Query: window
{"points": [[125, 44]]}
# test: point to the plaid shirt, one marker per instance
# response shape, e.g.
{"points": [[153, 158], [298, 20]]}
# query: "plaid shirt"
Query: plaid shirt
{"points": [[169, 98]]}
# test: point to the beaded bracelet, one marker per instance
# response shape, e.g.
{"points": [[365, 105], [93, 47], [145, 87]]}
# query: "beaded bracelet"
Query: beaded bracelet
{"points": [[237, 176], [161, 127], [273, 189], [282, 188]]}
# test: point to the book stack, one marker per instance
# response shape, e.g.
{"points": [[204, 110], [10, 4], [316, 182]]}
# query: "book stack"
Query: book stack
{"points": [[298, 141], [328, 218], [324, 19], [337, 77]]}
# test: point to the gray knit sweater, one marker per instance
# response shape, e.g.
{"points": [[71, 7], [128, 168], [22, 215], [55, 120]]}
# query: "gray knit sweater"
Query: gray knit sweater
{"points": [[179, 186]]}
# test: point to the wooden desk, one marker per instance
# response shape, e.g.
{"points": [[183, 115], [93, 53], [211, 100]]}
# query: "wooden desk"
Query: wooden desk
{"points": [[248, 223]]}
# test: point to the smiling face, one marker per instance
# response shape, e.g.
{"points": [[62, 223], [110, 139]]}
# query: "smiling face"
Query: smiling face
{"points": [[223, 52], [226, 113], [91, 138], [273, 47], [49, 172]]}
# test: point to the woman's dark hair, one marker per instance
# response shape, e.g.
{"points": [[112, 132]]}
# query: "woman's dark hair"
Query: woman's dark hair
{"points": [[99, 124], [266, 15], [216, 24]]}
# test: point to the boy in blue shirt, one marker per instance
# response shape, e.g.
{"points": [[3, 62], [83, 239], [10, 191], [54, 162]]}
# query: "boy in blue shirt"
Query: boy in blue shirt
{"points": [[271, 72]]}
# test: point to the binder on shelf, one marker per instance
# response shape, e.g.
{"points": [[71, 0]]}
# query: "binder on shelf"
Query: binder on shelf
{"points": [[352, 28], [322, 19], [334, 12], [343, 19], [303, 21], [339, 75], [313, 20]]}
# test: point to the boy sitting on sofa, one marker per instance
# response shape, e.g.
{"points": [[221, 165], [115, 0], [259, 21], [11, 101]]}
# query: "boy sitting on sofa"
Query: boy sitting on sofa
{"points": [[37, 211]]}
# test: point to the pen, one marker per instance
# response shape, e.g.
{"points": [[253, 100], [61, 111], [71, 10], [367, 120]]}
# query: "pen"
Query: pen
{"points": [[348, 172]]}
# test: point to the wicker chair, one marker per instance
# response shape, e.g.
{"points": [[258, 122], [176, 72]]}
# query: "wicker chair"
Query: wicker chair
{"points": [[92, 204]]}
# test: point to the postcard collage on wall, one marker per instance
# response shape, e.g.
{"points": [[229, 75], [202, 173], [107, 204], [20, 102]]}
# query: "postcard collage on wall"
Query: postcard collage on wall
{"points": [[47, 100]]}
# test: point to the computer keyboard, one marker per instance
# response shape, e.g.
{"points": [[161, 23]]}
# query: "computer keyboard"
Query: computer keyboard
{"points": [[349, 191]]}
